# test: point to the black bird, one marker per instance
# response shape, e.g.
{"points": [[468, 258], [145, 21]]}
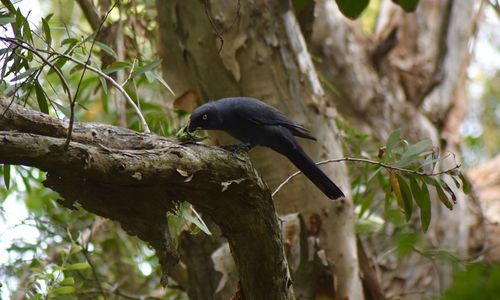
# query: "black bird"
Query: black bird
{"points": [[255, 123]]}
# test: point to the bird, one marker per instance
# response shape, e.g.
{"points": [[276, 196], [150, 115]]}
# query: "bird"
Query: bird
{"points": [[256, 123]]}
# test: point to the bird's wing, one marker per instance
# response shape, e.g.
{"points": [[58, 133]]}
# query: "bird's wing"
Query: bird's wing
{"points": [[264, 114]]}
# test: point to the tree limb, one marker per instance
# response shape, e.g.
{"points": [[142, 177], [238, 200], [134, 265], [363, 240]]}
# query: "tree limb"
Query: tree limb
{"points": [[91, 13], [135, 178]]}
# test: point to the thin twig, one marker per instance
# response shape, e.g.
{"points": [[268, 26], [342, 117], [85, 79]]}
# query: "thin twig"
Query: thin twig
{"points": [[130, 73], [93, 268], [368, 161], [214, 27], [36, 52], [144, 125], [119, 87]]}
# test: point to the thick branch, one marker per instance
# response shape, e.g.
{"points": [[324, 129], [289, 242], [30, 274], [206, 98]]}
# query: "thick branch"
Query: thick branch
{"points": [[135, 178], [90, 12]]}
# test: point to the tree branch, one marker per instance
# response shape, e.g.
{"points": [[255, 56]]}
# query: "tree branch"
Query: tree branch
{"points": [[119, 87], [371, 162], [135, 178], [91, 13]]}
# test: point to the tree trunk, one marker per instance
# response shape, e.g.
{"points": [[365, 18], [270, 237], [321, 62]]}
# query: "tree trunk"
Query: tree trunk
{"points": [[410, 74], [485, 180]]}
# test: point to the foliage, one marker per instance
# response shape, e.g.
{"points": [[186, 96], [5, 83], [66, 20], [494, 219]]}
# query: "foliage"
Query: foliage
{"points": [[36, 61], [412, 176], [392, 182], [477, 281], [185, 218], [65, 254]]}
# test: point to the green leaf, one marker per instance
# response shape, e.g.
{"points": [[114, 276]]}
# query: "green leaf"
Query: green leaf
{"points": [[352, 9], [48, 17], [63, 290], [24, 74], [6, 175], [26, 182], [413, 152], [407, 5], [405, 243], [423, 200], [20, 19], [369, 224], [148, 67], [67, 281], [432, 161], [116, 66], [4, 50], [70, 41], [158, 77], [9, 5], [27, 32], [406, 196], [106, 48], [104, 85], [46, 31], [419, 147], [393, 139], [62, 108], [4, 20], [442, 195], [465, 183], [58, 65], [365, 202], [4, 68], [183, 211], [196, 220], [75, 249], [75, 69], [41, 99], [77, 266]]}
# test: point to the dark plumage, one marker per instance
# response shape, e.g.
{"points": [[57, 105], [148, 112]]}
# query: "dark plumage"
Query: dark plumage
{"points": [[255, 123]]}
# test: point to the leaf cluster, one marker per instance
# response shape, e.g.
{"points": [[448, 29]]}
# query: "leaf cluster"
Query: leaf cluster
{"points": [[36, 61], [411, 175]]}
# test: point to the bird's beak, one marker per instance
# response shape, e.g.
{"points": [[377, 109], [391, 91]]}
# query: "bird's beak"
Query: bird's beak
{"points": [[190, 128]]}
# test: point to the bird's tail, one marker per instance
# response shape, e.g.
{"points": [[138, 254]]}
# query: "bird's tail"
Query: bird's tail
{"points": [[307, 166]]}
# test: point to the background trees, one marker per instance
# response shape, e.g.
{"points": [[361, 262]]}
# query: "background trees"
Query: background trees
{"points": [[362, 80]]}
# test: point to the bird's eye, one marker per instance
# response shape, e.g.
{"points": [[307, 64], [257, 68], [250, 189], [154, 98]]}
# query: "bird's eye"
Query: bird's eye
{"points": [[204, 117]]}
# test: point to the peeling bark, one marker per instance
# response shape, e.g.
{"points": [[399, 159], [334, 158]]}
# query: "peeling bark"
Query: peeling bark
{"points": [[413, 80]]}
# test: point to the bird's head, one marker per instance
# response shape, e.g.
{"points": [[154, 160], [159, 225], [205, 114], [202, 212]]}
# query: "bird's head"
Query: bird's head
{"points": [[205, 117]]}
